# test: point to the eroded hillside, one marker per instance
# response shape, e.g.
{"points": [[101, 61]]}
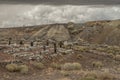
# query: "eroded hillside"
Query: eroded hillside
{"points": [[95, 32]]}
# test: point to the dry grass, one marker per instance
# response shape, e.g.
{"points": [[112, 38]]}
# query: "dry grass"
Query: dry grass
{"points": [[106, 76], [111, 55], [12, 67], [79, 56], [71, 66], [100, 49], [97, 64], [63, 79], [117, 57], [56, 66], [24, 69], [88, 78], [15, 68], [38, 65], [65, 73], [81, 48], [95, 75]]}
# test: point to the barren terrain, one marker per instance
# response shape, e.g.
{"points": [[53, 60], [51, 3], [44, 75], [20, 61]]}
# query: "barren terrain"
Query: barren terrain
{"points": [[88, 51]]}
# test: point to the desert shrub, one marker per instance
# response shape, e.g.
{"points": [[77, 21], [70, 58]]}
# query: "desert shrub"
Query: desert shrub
{"points": [[77, 66], [106, 76], [88, 78], [110, 51], [118, 69], [23, 69], [91, 74], [39, 65], [65, 53], [81, 48], [100, 49], [65, 73], [111, 55], [79, 56], [56, 66], [97, 75], [117, 57], [71, 66], [12, 67], [97, 64]]}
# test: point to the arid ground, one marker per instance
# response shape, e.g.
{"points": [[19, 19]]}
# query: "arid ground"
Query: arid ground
{"points": [[89, 51]]}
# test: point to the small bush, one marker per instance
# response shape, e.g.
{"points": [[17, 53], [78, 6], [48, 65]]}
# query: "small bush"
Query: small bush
{"points": [[23, 69], [56, 66], [65, 73], [95, 75], [111, 55], [118, 69], [91, 74], [117, 57], [12, 67], [79, 56], [101, 49], [110, 51], [88, 78], [39, 65], [97, 64], [106, 76], [81, 48], [71, 66]]}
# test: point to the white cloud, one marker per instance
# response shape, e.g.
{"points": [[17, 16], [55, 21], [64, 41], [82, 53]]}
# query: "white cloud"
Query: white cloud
{"points": [[44, 14]]}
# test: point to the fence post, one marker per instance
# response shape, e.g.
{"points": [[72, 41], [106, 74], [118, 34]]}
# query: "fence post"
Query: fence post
{"points": [[55, 47]]}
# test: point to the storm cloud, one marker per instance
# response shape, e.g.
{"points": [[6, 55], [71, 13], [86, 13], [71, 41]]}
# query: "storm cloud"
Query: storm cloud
{"points": [[48, 14], [62, 2], [15, 13]]}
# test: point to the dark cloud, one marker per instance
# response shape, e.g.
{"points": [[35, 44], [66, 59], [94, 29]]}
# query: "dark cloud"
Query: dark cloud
{"points": [[19, 15], [62, 2]]}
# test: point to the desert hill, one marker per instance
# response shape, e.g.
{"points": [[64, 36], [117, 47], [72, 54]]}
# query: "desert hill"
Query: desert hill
{"points": [[107, 31]]}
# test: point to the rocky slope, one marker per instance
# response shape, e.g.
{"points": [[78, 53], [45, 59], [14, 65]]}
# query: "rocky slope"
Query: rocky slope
{"points": [[102, 32]]}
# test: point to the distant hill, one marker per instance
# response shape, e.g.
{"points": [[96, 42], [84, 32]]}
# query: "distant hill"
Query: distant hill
{"points": [[107, 31]]}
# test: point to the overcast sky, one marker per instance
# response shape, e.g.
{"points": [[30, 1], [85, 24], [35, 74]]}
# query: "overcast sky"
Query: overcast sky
{"points": [[60, 2], [34, 12]]}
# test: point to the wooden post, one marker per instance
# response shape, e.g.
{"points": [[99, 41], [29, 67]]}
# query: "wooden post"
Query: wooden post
{"points": [[21, 42], [9, 41], [47, 42], [70, 46], [44, 47], [61, 44], [55, 47], [32, 43]]}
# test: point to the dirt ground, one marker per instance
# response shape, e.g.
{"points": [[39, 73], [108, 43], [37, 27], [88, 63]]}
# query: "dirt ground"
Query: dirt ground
{"points": [[49, 73]]}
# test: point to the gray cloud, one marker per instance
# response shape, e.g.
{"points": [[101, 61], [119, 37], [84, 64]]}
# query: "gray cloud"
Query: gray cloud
{"points": [[19, 15], [62, 2]]}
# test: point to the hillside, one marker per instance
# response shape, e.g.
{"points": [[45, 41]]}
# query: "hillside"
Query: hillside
{"points": [[94, 32]]}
